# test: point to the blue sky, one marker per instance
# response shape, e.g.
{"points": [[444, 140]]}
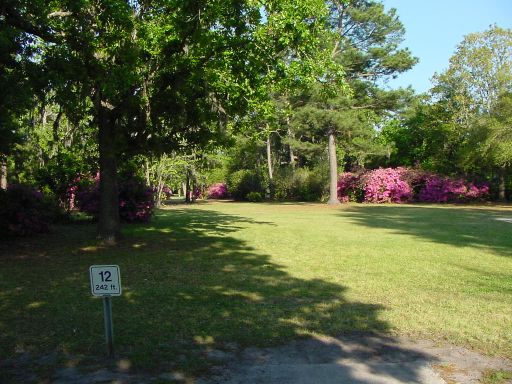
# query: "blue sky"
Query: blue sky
{"points": [[434, 28]]}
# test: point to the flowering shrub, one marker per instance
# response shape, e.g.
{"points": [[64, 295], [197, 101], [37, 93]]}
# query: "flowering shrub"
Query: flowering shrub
{"points": [[439, 189], [197, 193], [217, 191], [401, 185], [385, 185], [166, 192], [71, 191], [87, 195], [350, 187], [24, 211], [136, 200]]}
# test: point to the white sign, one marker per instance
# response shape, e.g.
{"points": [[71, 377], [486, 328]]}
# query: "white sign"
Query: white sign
{"points": [[105, 280]]}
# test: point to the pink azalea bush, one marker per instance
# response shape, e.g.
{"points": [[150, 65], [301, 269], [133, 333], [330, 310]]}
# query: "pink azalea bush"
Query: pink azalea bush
{"points": [[166, 192], [385, 185], [217, 191], [136, 200], [350, 187], [397, 185], [440, 189]]}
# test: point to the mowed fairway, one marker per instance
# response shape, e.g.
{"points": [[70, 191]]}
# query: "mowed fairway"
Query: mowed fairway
{"points": [[214, 274]]}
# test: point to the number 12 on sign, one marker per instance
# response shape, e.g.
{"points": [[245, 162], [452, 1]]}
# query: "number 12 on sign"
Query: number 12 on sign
{"points": [[105, 280]]}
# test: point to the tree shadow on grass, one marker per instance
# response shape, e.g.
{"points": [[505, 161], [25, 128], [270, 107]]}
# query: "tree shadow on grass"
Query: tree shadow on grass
{"points": [[190, 289], [455, 226]]}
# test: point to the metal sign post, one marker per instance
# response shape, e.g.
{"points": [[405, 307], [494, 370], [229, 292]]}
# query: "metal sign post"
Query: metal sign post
{"points": [[106, 282], [109, 328]]}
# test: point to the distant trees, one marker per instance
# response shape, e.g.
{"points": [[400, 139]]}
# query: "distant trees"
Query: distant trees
{"points": [[367, 39], [474, 90], [464, 127]]}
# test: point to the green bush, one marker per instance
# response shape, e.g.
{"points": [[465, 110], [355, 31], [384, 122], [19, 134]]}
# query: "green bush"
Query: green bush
{"points": [[243, 182], [300, 184], [254, 197]]}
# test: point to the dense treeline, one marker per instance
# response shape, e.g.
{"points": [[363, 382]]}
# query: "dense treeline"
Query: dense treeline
{"points": [[275, 99]]}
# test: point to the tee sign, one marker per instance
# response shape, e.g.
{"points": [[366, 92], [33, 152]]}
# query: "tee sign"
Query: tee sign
{"points": [[105, 280]]}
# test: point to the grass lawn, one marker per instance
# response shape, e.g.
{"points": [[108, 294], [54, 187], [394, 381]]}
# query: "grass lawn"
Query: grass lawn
{"points": [[214, 274]]}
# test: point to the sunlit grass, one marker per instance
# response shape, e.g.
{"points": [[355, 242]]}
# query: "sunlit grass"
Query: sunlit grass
{"points": [[210, 275]]}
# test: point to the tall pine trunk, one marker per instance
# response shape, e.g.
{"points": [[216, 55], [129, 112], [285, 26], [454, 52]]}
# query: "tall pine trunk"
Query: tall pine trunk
{"points": [[290, 147], [269, 160], [271, 187], [333, 171], [108, 223]]}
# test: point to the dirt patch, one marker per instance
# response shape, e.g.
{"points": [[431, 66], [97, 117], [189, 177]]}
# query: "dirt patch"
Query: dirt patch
{"points": [[358, 359], [350, 359]]}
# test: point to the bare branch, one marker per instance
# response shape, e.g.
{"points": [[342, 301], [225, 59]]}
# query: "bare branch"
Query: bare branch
{"points": [[14, 19]]}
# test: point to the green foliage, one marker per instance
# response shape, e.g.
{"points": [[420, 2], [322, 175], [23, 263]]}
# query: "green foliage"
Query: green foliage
{"points": [[423, 134], [246, 153], [17, 93], [301, 184], [495, 132], [480, 71], [254, 197], [473, 91], [243, 182], [59, 174]]}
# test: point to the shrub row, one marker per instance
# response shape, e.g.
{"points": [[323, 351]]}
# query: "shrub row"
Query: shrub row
{"points": [[136, 200], [288, 184], [398, 185], [25, 211]]}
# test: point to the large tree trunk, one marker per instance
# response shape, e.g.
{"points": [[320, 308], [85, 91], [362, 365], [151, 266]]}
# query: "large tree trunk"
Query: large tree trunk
{"points": [[3, 171], [502, 185], [108, 224], [333, 171]]}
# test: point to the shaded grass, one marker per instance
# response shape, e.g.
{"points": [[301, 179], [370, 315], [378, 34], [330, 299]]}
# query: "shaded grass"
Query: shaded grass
{"points": [[210, 275]]}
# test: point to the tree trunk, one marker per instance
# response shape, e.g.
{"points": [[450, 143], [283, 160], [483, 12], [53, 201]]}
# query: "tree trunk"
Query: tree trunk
{"points": [[193, 190], [269, 160], [187, 188], [290, 147], [3, 172], [108, 224], [159, 189], [333, 171], [55, 128], [502, 185], [147, 172]]}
